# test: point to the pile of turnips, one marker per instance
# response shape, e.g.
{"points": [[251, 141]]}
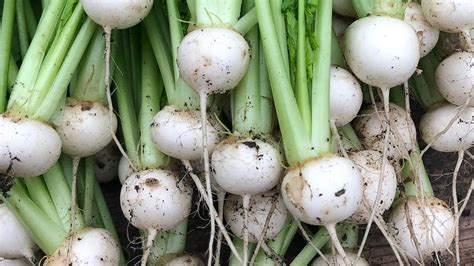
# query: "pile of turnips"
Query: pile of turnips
{"points": [[268, 118]]}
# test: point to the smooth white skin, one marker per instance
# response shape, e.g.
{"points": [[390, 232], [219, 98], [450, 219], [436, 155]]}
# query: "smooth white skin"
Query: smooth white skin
{"points": [[369, 164], [85, 128], [155, 199], [15, 262], [187, 260], [337, 260], [90, 246], [455, 78], [124, 169], [259, 208], [381, 51], [213, 60], [370, 127], [246, 165], [344, 8], [449, 15], [323, 191], [460, 136], [433, 225], [14, 241], [427, 34], [29, 146], [117, 14], [345, 96], [107, 163], [177, 133]]}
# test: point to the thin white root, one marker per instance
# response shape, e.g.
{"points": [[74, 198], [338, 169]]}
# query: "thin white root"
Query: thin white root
{"points": [[246, 205], [149, 243], [395, 248], [386, 94], [337, 244], [456, 206], [261, 240], [203, 104], [308, 240], [212, 210], [72, 214], [335, 134], [220, 207], [107, 34], [271, 254]]}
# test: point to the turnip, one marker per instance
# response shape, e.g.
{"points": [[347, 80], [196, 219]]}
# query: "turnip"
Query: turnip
{"points": [[455, 78], [15, 242], [422, 229], [337, 260], [344, 8], [371, 129], [394, 52], [427, 34], [155, 200], [124, 169], [346, 96], [14, 262], [259, 209], [455, 16], [370, 165], [177, 133], [85, 128], [442, 134], [16, 150], [89, 246]]}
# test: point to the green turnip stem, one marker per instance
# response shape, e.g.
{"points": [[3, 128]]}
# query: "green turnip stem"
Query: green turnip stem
{"points": [[321, 131], [60, 193], [217, 12], [31, 20], [337, 58], [247, 22], [126, 109], [152, 88], [424, 86], [40, 195], [363, 8], [12, 73], [58, 88], [239, 246], [31, 65], [266, 97], [177, 238], [347, 131], [393, 8], [246, 114], [176, 32], [46, 233], [301, 91], [6, 36], [279, 24], [414, 168], [86, 84], [397, 95], [88, 190], [308, 252], [23, 37], [296, 141], [348, 234], [158, 250], [162, 54]]}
